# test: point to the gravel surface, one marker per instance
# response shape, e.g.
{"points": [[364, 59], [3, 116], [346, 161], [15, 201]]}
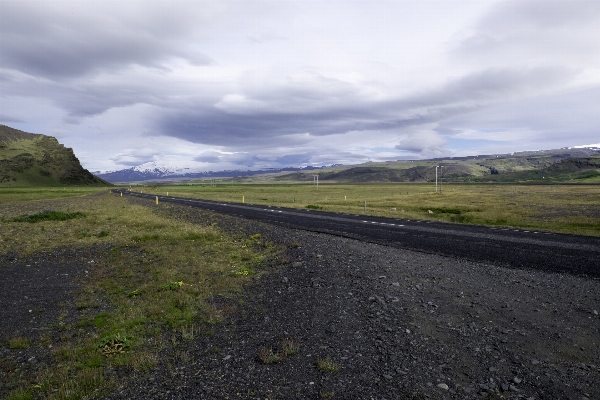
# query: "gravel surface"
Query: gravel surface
{"points": [[399, 324]]}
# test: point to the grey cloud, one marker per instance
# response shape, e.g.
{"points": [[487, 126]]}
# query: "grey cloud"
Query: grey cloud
{"points": [[491, 85], [8, 119], [545, 14], [541, 122], [42, 39], [294, 159], [242, 159], [268, 126], [132, 158], [521, 32], [209, 157], [427, 144]]}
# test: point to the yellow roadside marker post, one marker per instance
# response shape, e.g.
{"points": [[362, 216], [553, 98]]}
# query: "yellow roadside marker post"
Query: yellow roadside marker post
{"points": [[121, 194], [157, 200], [243, 201]]}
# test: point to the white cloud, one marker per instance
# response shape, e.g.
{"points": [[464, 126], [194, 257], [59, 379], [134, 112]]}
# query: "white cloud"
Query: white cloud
{"points": [[265, 83]]}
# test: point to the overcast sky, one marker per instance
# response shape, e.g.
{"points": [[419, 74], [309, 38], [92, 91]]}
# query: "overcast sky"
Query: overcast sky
{"points": [[252, 84]]}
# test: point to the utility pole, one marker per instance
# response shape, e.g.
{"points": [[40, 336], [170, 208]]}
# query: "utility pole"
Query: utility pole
{"points": [[436, 167], [441, 177]]}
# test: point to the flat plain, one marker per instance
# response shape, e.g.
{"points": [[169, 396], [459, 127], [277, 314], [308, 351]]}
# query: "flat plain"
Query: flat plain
{"points": [[557, 208], [102, 290]]}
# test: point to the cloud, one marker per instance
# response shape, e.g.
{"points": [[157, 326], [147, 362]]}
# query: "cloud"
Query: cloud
{"points": [[294, 159], [527, 33], [232, 158], [265, 83], [280, 116], [209, 157], [424, 141], [59, 40], [133, 157], [7, 119]]}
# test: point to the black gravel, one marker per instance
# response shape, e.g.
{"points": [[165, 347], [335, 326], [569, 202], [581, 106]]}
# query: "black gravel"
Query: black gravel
{"points": [[399, 323]]}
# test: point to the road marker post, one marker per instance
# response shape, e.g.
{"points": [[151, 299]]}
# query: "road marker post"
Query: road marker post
{"points": [[243, 201], [156, 200], [121, 194]]}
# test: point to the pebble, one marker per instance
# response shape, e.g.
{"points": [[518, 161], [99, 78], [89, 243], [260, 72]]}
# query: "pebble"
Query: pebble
{"points": [[517, 380], [443, 386]]}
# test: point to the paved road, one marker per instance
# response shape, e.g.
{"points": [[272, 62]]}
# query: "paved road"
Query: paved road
{"points": [[516, 248]]}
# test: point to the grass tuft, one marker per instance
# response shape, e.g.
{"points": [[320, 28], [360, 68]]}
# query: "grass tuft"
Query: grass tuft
{"points": [[114, 344], [327, 365], [19, 343], [268, 356], [290, 347], [48, 215], [171, 285]]}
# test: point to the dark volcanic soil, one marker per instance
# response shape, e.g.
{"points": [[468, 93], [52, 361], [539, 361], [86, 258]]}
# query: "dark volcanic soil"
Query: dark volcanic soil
{"points": [[398, 323]]}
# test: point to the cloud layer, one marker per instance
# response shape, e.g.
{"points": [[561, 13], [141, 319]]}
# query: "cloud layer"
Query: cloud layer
{"points": [[227, 84]]}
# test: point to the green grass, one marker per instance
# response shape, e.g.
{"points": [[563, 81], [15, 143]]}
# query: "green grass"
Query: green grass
{"points": [[556, 208], [158, 280], [327, 365], [48, 215], [17, 195]]}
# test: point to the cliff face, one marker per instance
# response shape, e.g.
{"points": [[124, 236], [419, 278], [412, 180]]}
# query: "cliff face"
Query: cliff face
{"points": [[28, 159]]}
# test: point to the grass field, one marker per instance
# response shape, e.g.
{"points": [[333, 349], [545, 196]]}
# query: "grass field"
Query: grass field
{"points": [[17, 195], [154, 287], [558, 208]]}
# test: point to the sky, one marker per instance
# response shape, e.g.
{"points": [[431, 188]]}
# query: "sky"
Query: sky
{"points": [[218, 85]]}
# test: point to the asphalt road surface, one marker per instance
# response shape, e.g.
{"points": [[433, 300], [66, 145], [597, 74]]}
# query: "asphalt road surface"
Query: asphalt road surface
{"points": [[515, 248]]}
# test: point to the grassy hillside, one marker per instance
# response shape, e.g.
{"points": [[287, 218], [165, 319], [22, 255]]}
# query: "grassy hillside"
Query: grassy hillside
{"points": [[580, 165], [28, 159]]}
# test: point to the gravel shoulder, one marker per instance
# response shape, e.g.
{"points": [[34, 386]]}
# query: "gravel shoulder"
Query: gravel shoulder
{"points": [[398, 323]]}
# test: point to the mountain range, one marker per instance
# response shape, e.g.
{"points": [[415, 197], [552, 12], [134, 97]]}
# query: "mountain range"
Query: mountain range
{"points": [[581, 164], [28, 159], [152, 171]]}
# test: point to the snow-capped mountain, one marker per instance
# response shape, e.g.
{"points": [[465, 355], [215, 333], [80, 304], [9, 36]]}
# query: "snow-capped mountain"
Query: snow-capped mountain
{"points": [[153, 171]]}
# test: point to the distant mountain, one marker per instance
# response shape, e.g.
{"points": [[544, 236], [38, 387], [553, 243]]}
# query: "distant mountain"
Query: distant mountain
{"points": [[29, 159], [577, 163], [154, 172], [580, 164]]}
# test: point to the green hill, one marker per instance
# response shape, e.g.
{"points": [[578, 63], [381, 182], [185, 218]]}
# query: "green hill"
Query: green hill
{"points": [[28, 159], [562, 165]]}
